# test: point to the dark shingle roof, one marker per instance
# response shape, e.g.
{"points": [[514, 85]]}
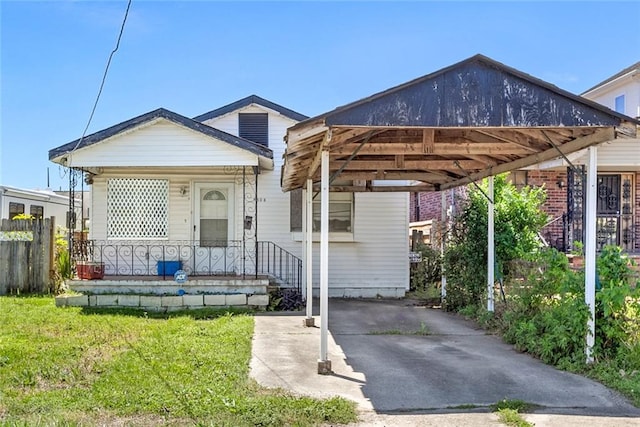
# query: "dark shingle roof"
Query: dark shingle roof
{"points": [[251, 99], [94, 138]]}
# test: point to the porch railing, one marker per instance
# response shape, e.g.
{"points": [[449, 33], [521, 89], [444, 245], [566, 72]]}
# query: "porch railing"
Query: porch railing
{"points": [[277, 262], [196, 258]]}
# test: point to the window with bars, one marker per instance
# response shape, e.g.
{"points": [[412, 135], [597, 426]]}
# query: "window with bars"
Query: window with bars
{"points": [[137, 208], [254, 127]]}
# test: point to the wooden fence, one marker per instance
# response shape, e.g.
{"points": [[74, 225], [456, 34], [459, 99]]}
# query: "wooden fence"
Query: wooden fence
{"points": [[26, 255]]}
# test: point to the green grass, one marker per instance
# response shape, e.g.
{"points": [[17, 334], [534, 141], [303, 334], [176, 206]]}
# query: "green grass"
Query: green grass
{"points": [[511, 417], [65, 366]]}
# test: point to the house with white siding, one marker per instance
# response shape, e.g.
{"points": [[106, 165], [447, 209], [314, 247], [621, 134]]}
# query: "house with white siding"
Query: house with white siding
{"points": [[203, 195], [37, 203]]}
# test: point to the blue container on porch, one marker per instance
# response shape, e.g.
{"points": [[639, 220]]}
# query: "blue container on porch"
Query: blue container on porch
{"points": [[168, 268]]}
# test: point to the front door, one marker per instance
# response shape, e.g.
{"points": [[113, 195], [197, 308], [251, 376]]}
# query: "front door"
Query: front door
{"points": [[213, 228], [615, 210]]}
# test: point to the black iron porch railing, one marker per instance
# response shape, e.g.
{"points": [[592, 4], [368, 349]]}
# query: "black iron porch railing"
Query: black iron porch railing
{"points": [[196, 258], [279, 263]]}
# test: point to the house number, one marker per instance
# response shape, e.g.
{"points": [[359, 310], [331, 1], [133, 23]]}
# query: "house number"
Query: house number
{"points": [[262, 199]]}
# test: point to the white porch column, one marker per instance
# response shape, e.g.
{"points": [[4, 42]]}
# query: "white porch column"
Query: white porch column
{"points": [[324, 364], [307, 230], [443, 219], [590, 249], [490, 247]]}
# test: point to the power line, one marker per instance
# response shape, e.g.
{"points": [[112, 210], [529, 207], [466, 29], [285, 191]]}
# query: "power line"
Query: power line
{"points": [[104, 77]]}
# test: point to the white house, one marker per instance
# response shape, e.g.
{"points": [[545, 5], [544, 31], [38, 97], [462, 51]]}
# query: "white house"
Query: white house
{"points": [[620, 92], [204, 195], [37, 203]]}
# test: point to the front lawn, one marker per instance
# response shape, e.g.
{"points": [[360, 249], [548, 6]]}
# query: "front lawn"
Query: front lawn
{"points": [[74, 367]]}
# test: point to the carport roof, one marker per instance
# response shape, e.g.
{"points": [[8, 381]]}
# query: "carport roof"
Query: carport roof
{"points": [[471, 120]]}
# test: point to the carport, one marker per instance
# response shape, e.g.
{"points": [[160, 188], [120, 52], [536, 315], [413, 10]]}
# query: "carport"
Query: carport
{"points": [[475, 119]]}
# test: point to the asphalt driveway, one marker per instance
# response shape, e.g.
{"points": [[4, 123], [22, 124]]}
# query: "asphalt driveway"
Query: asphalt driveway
{"points": [[409, 365]]}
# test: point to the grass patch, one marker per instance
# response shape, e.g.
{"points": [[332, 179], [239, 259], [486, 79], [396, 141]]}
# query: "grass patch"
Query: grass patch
{"points": [[422, 331], [511, 417], [95, 367], [515, 404]]}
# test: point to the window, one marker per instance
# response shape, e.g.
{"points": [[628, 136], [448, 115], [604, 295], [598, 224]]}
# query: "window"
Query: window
{"points": [[137, 208], [254, 127], [37, 212], [518, 179], [619, 107], [15, 209], [340, 212]]}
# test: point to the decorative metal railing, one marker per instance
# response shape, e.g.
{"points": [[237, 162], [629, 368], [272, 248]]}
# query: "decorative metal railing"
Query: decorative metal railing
{"points": [[196, 258], [277, 262]]}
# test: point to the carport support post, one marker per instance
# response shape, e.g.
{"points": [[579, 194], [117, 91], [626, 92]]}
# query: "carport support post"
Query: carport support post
{"points": [[590, 250], [443, 233], [490, 246], [324, 364], [307, 230]]}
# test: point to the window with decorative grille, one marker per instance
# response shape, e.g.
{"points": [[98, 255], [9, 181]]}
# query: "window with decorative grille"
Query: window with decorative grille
{"points": [[254, 127], [137, 208]]}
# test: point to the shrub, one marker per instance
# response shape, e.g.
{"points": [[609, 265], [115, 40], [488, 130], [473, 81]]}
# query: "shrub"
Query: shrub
{"points": [[518, 219], [428, 270]]}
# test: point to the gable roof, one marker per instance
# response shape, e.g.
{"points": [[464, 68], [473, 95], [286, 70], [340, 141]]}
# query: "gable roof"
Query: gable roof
{"points": [[490, 86], [630, 69], [244, 102], [161, 113], [464, 122]]}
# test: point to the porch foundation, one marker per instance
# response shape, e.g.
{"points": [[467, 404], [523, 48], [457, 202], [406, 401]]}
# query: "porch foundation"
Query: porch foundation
{"points": [[163, 303]]}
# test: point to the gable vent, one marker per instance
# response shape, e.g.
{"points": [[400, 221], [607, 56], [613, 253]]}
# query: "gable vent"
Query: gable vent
{"points": [[254, 127]]}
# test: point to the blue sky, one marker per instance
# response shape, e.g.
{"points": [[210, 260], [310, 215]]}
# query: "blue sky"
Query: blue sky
{"points": [[193, 57]]}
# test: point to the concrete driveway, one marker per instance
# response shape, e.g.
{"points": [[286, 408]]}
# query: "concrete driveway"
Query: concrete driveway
{"points": [[410, 365]]}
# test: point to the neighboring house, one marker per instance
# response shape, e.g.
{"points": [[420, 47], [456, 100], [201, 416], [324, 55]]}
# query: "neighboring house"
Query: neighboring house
{"points": [[37, 203], [618, 206], [205, 192]]}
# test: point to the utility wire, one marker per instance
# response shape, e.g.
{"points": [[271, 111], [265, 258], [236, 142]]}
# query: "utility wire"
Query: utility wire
{"points": [[104, 78]]}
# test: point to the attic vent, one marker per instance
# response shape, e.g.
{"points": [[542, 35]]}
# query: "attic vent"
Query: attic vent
{"points": [[254, 127]]}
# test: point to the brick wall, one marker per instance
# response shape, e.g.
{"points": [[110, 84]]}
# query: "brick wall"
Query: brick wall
{"points": [[555, 183], [426, 206]]}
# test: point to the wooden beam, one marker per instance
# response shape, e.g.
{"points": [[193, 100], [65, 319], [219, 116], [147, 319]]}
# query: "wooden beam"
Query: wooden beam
{"points": [[426, 165], [315, 163], [439, 148], [512, 138], [395, 175], [379, 188], [597, 137], [428, 140], [349, 134]]}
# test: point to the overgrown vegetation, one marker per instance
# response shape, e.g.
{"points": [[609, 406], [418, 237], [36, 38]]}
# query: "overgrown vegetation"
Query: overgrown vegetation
{"points": [[518, 219], [62, 259], [544, 312], [428, 270], [74, 367]]}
